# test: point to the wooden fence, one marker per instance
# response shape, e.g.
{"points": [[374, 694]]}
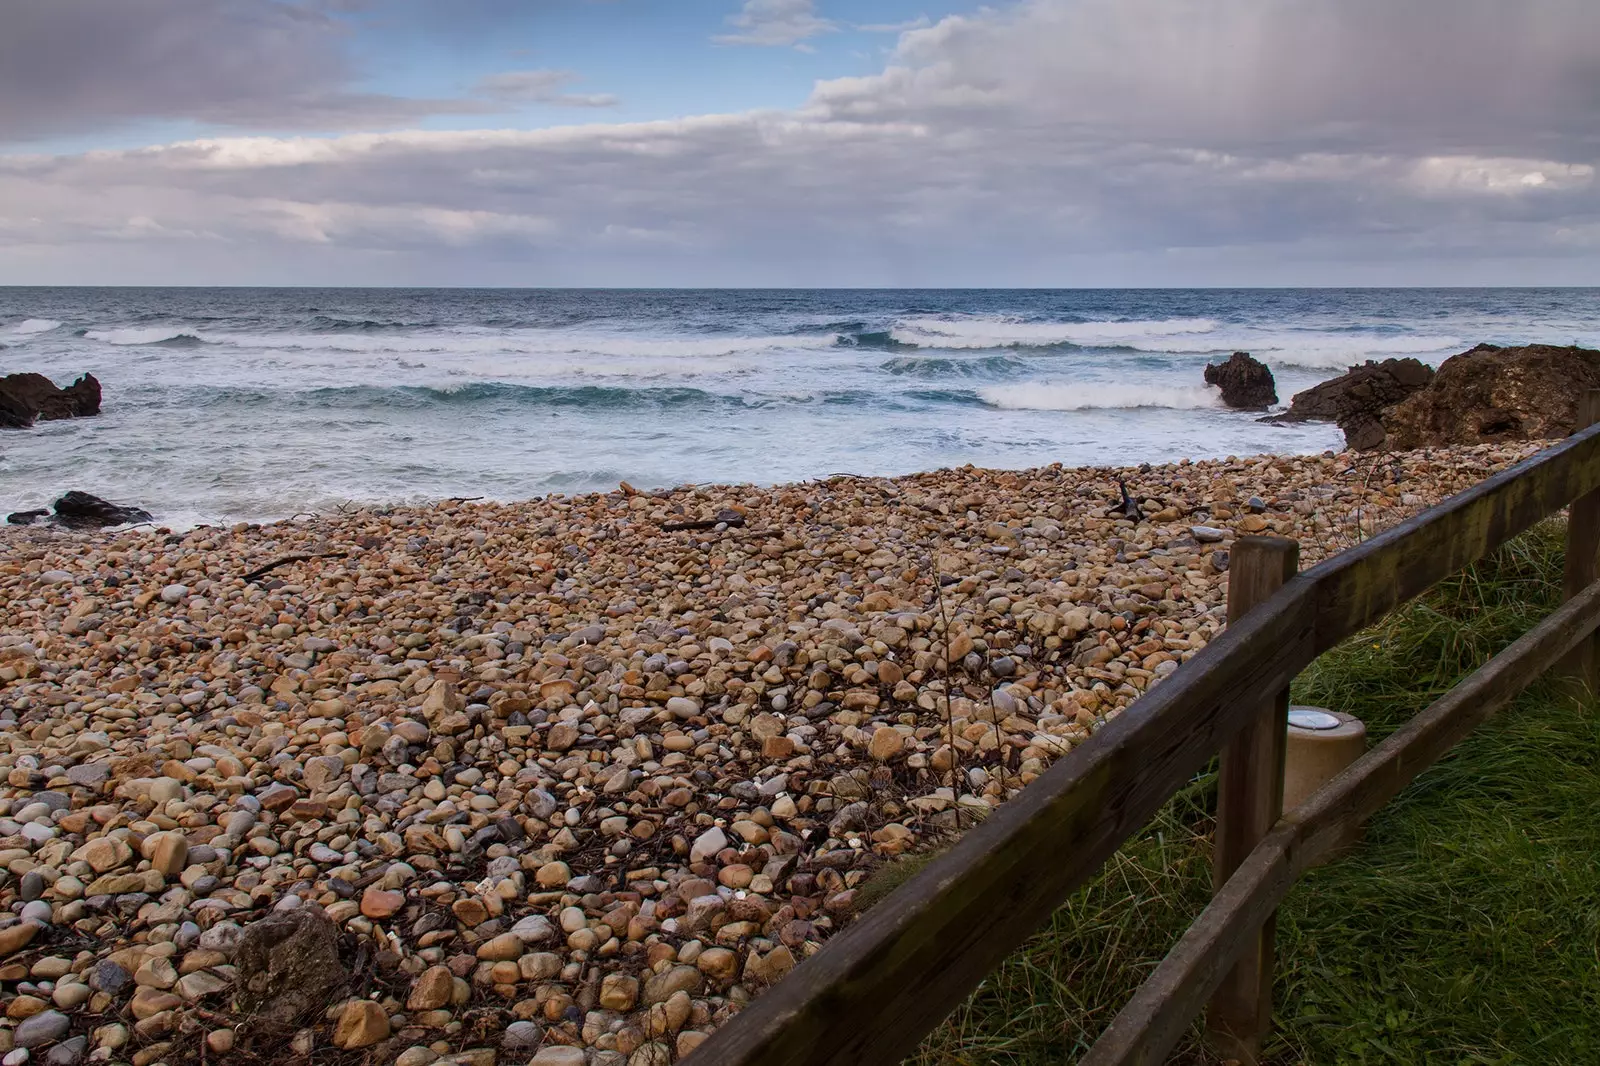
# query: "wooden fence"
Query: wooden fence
{"points": [[874, 991]]}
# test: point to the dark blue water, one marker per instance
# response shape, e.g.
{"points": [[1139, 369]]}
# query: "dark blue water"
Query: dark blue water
{"points": [[227, 403]]}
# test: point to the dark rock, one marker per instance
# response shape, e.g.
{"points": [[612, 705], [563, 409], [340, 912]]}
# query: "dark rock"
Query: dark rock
{"points": [[80, 510], [110, 978], [1357, 399], [26, 398], [288, 967], [1245, 382], [69, 1052], [1492, 394]]}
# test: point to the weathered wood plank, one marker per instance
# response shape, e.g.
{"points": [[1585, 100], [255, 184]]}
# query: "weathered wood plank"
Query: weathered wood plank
{"points": [[1357, 587], [1581, 667], [873, 991], [1249, 801], [1155, 1019]]}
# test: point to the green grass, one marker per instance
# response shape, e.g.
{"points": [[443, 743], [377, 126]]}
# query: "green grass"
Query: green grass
{"points": [[1464, 929]]}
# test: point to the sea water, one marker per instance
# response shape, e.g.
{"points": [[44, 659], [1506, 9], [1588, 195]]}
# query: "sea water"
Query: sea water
{"points": [[229, 404]]}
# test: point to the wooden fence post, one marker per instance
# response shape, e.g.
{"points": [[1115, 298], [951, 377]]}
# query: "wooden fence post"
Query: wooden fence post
{"points": [[1249, 801], [1581, 667]]}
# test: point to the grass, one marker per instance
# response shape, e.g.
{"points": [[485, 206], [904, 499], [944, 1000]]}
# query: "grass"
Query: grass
{"points": [[1466, 927]]}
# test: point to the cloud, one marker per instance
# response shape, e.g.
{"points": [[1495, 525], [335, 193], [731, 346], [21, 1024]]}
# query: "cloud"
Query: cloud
{"points": [[541, 87], [776, 23], [1051, 142], [75, 66], [920, 22]]}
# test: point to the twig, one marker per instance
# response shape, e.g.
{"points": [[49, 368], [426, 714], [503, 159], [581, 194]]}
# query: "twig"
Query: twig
{"points": [[731, 521], [467, 499], [287, 559]]}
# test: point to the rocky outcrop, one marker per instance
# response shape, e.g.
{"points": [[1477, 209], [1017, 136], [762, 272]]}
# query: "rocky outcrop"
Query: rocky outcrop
{"points": [[27, 398], [1494, 394], [1358, 398], [1484, 396], [80, 510], [1246, 382]]}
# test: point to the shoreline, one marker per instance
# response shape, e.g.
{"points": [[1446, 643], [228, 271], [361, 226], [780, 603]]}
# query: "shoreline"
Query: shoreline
{"points": [[572, 778]]}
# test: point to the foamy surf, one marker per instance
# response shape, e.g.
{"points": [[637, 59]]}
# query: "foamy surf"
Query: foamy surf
{"points": [[29, 327], [1094, 396], [1009, 332], [237, 403]]}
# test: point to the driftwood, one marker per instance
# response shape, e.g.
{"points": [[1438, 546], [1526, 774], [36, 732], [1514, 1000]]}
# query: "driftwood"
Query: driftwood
{"points": [[731, 519], [263, 571]]}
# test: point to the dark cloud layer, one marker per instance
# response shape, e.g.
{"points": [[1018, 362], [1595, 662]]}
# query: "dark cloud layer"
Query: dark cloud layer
{"points": [[1056, 141], [76, 66]]}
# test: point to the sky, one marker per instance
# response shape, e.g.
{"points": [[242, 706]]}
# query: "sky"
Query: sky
{"points": [[892, 143]]}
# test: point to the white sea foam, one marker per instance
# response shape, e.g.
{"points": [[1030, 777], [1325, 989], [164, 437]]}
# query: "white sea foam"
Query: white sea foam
{"points": [[997, 331], [141, 335], [518, 342], [29, 326], [1086, 396], [1336, 351]]}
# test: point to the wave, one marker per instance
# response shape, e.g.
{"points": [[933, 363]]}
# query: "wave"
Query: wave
{"points": [[473, 394], [166, 336], [335, 324], [1087, 397], [30, 326], [882, 340], [519, 342], [1324, 351], [1012, 332], [969, 367]]}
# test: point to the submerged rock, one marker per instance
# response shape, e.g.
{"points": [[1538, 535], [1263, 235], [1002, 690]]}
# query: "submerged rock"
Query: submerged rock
{"points": [[26, 398], [80, 510], [1245, 381]]}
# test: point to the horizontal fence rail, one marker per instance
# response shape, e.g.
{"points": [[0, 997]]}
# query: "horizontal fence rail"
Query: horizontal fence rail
{"points": [[1155, 1019], [876, 989]]}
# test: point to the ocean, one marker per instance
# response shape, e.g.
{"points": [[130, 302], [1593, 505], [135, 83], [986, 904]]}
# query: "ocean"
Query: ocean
{"points": [[232, 404]]}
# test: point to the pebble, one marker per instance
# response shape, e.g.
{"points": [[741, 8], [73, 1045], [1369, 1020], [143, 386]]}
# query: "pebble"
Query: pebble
{"points": [[42, 1028], [577, 780]]}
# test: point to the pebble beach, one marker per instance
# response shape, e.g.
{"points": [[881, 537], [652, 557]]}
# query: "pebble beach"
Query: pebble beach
{"points": [[569, 781]]}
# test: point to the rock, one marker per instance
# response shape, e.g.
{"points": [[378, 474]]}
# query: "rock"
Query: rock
{"points": [[558, 1056], [79, 510], [660, 988], [14, 938], [362, 1023], [1492, 394], [381, 903], [25, 398], [1246, 382], [169, 853], [104, 853], [69, 1052], [522, 1036], [42, 1028], [432, 989], [708, 844], [885, 743], [1357, 399], [618, 992], [288, 966]]}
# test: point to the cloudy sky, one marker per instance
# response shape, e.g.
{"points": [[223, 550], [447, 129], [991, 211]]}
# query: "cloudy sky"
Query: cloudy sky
{"points": [[800, 142]]}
